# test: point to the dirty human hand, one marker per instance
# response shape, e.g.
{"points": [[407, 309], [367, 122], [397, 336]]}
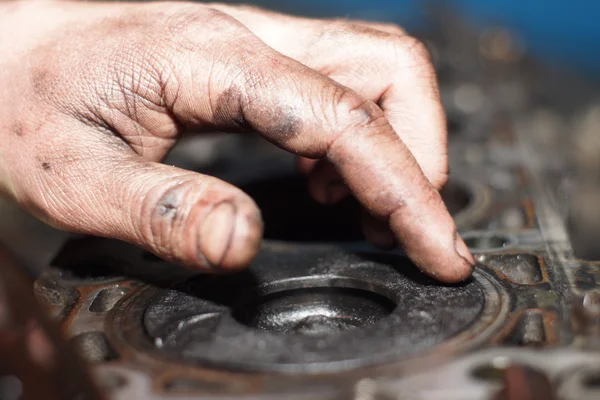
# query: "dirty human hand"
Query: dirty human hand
{"points": [[94, 95]]}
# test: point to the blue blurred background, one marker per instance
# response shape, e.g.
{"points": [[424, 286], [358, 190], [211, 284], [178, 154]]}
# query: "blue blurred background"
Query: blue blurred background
{"points": [[563, 32]]}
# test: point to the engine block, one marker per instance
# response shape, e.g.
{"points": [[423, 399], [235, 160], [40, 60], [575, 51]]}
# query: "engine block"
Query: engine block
{"points": [[322, 314]]}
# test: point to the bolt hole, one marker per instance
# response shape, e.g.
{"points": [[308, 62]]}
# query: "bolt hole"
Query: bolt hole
{"points": [[106, 299], [485, 242], [94, 347]]}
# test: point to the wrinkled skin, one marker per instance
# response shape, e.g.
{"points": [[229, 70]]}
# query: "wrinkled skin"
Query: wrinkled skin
{"points": [[94, 95]]}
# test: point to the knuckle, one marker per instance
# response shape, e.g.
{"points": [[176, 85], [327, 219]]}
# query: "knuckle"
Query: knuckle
{"points": [[246, 74], [383, 27], [412, 51], [367, 32], [250, 103], [221, 21], [190, 24], [432, 198], [352, 110], [353, 115], [392, 28], [332, 29]]}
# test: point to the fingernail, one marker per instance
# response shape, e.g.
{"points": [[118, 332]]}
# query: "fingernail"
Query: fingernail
{"points": [[463, 250], [336, 190], [217, 232]]}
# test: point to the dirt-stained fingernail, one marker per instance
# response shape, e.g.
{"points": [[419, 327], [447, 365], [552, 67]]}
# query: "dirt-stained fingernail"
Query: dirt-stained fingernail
{"points": [[217, 232], [463, 250]]}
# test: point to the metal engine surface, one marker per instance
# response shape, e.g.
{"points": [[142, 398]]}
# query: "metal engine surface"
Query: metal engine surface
{"points": [[320, 313]]}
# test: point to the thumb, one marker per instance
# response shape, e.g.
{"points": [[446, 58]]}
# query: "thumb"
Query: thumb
{"points": [[182, 216]]}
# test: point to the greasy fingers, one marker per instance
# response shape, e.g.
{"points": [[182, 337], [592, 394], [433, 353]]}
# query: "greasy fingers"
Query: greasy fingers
{"points": [[313, 116], [386, 178], [378, 61], [92, 118], [384, 65], [113, 95]]}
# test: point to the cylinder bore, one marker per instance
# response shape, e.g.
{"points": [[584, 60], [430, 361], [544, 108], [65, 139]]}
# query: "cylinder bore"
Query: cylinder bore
{"points": [[314, 311], [308, 309]]}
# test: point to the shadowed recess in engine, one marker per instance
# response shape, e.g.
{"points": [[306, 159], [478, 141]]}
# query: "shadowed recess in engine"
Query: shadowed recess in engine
{"points": [[290, 214]]}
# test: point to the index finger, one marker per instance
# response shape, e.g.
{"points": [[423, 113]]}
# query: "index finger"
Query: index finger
{"points": [[385, 177]]}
